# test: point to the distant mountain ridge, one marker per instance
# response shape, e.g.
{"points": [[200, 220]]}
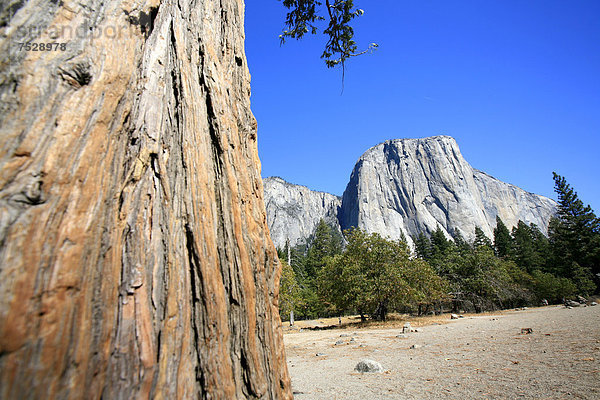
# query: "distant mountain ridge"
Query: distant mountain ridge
{"points": [[293, 211], [403, 187]]}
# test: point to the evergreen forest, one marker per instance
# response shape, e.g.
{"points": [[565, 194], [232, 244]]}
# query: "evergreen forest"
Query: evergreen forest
{"points": [[368, 275]]}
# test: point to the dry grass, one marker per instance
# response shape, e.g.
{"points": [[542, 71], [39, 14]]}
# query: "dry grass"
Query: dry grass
{"points": [[394, 321]]}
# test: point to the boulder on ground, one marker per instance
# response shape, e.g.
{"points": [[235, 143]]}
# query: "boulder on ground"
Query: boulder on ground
{"points": [[368, 366], [453, 316]]}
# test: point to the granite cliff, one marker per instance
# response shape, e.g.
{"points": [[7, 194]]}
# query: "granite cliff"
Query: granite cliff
{"points": [[135, 258], [415, 185], [293, 211], [407, 186]]}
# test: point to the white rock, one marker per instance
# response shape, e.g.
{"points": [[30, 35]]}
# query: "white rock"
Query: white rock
{"points": [[406, 328], [368, 366]]}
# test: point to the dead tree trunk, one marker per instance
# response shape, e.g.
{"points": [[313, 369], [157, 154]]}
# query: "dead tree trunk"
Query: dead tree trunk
{"points": [[135, 259]]}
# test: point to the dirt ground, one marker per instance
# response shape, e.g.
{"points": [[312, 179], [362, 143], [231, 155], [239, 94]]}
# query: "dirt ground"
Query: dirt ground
{"points": [[481, 356]]}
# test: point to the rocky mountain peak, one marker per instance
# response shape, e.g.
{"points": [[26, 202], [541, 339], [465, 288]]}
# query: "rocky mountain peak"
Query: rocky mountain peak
{"points": [[402, 187], [293, 211]]}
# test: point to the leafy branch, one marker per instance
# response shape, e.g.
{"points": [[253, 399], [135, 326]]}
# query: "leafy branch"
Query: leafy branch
{"points": [[304, 16]]}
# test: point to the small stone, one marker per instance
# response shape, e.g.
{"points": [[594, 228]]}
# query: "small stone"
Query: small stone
{"points": [[415, 346], [401, 336], [593, 303], [320, 354], [453, 316], [368, 366], [339, 342], [526, 331], [344, 335], [406, 328], [352, 340]]}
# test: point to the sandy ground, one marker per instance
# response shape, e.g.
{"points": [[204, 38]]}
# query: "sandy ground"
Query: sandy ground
{"points": [[475, 357]]}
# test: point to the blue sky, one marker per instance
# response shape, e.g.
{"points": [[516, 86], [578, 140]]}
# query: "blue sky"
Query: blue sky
{"points": [[516, 83]]}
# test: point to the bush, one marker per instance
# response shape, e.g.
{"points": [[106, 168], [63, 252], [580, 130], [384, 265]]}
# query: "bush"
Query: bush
{"points": [[552, 288]]}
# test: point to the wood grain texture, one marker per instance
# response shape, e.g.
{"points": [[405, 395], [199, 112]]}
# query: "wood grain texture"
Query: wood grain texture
{"points": [[135, 259]]}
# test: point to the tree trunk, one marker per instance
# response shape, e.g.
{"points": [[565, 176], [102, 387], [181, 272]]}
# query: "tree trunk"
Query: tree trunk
{"points": [[135, 259]]}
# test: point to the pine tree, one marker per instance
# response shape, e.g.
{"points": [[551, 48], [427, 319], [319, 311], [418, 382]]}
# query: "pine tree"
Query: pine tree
{"points": [[439, 243], [461, 244], [502, 239], [523, 249], [542, 248], [324, 244], [574, 237], [481, 240], [423, 246]]}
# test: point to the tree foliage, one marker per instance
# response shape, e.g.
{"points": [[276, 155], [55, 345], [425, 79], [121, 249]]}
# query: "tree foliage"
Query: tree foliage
{"points": [[305, 16], [325, 243], [289, 291], [481, 239], [502, 239], [423, 246], [523, 250], [375, 276], [575, 238]]}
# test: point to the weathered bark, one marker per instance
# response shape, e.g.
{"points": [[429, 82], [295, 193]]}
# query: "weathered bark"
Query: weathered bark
{"points": [[135, 259]]}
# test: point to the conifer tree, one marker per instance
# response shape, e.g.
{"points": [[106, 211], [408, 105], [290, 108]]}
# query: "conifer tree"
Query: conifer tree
{"points": [[324, 244], [523, 249], [502, 239], [481, 240], [439, 243], [541, 246], [423, 246], [461, 244], [574, 237]]}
